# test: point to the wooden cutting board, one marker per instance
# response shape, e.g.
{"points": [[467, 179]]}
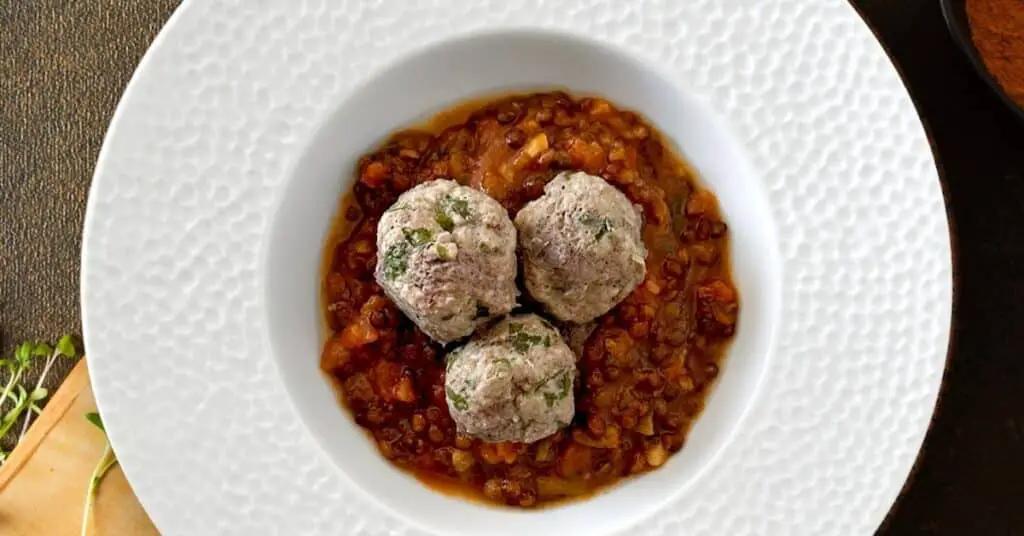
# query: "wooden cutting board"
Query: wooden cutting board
{"points": [[43, 483]]}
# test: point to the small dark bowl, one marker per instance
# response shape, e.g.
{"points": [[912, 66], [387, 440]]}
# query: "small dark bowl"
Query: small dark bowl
{"points": [[956, 18]]}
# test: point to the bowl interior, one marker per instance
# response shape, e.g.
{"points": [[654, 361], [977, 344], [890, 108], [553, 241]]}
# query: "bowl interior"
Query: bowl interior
{"points": [[412, 89]]}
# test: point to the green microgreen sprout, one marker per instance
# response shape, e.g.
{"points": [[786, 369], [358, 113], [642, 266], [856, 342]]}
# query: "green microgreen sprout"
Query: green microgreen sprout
{"points": [[105, 463], [22, 399]]}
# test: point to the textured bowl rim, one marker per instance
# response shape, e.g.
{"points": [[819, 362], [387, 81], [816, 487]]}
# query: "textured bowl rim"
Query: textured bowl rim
{"points": [[146, 161], [729, 406]]}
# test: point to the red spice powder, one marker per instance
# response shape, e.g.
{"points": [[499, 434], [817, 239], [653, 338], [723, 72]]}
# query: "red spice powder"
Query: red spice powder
{"points": [[997, 29]]}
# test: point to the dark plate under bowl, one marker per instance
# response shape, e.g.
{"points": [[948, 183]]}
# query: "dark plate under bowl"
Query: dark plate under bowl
{"points": [[956, 18]]}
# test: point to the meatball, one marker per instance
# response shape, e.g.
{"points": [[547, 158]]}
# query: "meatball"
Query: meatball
{"points": [[512, 382], [582, 247], [446, 257]]}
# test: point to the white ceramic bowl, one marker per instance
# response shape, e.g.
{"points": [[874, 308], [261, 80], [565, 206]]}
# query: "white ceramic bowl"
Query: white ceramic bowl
{"points": [[411, 90]]}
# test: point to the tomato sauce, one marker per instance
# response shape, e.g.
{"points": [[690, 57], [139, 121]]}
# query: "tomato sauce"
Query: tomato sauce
{"points": [[644, 371]]}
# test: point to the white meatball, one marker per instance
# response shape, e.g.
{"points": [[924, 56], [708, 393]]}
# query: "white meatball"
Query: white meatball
{"points": [[446, 258], [512, 382], [582, 247]]}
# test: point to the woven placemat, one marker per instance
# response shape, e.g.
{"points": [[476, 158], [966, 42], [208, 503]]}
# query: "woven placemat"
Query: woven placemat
{"points": [[63, 67]]}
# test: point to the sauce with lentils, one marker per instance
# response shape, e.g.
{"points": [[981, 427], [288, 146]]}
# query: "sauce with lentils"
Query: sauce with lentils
{"points": [[644, 369]]}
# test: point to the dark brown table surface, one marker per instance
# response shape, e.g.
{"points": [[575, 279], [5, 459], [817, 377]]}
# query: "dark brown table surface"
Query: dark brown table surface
{"points": [[63, 65]]}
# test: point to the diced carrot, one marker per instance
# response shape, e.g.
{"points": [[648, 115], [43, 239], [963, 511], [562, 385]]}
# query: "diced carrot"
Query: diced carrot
{"points": [[358, 334], [529, 152], [536, 145], [335, 286], [675, 370], [701, 202], [405, 391], [386, 375], [495, 453], [335, 355], [575, 460], [716, 290], [589, 157], [462, 461], [716, 308], [374, 174], [549, 487], [600, 107]]}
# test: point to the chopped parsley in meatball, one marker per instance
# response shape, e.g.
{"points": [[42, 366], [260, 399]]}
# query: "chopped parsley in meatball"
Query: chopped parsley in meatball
{"points": [[512, 382], [446, 258], [582, 247]]}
